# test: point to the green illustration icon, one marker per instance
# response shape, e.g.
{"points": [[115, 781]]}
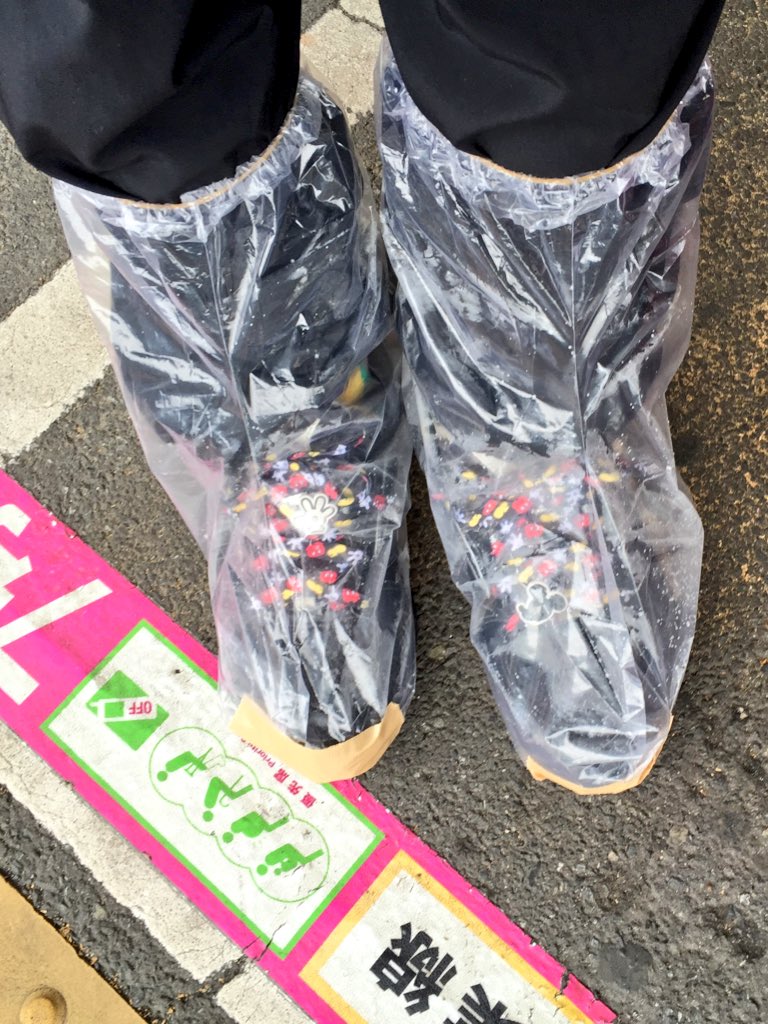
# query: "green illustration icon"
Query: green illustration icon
{"points": [[126, 709]]}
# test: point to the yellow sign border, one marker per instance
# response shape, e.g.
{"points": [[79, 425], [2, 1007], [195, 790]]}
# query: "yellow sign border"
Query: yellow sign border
{"points": [[310, 973]]}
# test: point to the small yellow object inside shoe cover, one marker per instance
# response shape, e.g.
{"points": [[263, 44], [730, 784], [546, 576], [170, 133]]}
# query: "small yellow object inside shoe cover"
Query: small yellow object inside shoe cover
{"points": [[344, 760], [356, 385]]}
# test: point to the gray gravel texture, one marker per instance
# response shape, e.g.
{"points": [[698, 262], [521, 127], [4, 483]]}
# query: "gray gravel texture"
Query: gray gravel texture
{"points": [[657, 898], [32, 245], [313, 10]]}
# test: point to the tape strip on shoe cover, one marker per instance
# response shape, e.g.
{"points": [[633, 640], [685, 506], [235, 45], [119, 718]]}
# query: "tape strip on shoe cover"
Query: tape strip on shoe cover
{"points": [[343, 760], [541, 774]]}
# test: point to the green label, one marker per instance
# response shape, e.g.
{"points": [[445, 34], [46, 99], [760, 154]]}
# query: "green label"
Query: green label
{"points": [[127, 710]]}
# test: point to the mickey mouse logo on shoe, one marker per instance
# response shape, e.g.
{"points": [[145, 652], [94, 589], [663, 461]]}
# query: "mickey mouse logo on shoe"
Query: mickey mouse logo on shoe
{"points": [[542, 604], [309, 514]]}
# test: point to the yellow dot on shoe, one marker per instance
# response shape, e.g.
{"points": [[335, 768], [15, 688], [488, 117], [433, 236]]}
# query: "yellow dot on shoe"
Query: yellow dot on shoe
{"points": [[287, 595], [578, 545], [313, 455], [345, 502], [316, 588], [293, 554], [343, 522], [549, 472], [501, 510], [336, 550], [609, 478], [475, 520], [295, 467], [261, 493], [528, 483], [525, 575], [240, 508], [515, 561], [271, 457], [468, 475], [549, 517]]}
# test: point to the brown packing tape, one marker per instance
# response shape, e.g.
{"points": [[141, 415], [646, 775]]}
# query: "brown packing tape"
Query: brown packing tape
{"points": [[542, 775], [344, 760]]}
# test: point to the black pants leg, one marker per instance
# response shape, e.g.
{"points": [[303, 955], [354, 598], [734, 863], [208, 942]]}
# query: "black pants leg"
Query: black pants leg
{"points": [[549, 89], [148, 99]]}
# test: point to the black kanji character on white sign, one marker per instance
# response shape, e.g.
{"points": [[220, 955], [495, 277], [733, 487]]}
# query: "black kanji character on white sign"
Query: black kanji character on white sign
{"points": [[412, 967], [477, 1009]]}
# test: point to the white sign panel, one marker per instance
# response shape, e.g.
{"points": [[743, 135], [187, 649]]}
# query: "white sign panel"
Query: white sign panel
{"points": [[409, 951], [275, 848]]}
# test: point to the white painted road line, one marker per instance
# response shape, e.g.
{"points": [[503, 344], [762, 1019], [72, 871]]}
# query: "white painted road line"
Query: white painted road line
{"points": [[196, 945], [193, 942], [50, 354], [251, 998]]}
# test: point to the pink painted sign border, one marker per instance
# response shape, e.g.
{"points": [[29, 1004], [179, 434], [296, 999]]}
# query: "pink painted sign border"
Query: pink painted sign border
{"points": [[59, 655]]}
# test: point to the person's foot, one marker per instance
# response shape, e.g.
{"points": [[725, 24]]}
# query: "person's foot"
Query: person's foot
{"points": [[250, 327], [542, 322], [569, 589], [317, 577], [312, 602]]}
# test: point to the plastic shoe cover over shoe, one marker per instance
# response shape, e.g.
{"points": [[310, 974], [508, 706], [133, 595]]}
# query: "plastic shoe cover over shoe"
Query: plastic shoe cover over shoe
{"points": [[542, 322], [249, 328]]}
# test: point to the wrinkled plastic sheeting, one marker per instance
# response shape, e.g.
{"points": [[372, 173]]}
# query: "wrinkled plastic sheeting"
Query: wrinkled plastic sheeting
{"points": [[542, 322], [248, 329]]}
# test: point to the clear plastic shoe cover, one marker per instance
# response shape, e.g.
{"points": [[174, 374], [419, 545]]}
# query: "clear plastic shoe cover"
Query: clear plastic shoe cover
{"points": [[542, 322], [249, 329]]}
